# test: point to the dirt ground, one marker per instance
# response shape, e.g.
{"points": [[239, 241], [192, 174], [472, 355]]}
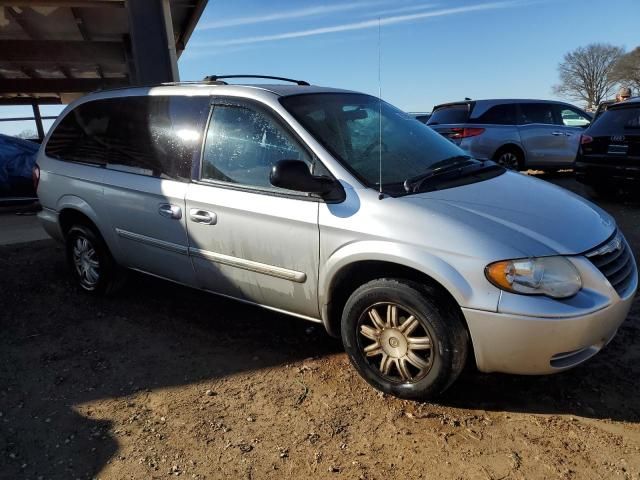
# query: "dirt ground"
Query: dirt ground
{"points": [[163, 381]]}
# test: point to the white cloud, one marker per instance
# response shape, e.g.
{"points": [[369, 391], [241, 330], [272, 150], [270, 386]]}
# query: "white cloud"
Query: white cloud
{"points": [[410, 8], [363, 24], [288, 15]]}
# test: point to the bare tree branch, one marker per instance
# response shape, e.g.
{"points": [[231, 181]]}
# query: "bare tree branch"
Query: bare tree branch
{"points": [[627, 70], [586, 73]]}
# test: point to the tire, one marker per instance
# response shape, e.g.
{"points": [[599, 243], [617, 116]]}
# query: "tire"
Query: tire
{"points": [[510, 158], [437, 333], [91, 264]]}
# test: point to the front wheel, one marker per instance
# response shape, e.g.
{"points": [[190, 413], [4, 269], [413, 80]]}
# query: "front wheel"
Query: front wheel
{"points": [[404, 339]]}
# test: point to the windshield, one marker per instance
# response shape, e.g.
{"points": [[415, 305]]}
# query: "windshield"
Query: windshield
{"points": [[349, 126]]}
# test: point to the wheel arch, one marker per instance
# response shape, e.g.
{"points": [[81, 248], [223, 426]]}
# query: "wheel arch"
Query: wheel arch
{"points": [[341, 277], [72, 209], [510, 146]]}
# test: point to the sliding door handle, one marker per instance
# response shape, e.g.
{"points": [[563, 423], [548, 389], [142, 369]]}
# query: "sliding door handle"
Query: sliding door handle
{"points": [[170, 211], [202, 216]]}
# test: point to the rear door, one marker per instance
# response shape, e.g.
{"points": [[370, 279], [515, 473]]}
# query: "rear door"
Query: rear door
{"points": [[544, 141], [152, 141], [248, 239]]}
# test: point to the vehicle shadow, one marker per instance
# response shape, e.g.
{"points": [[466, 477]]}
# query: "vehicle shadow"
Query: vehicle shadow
{"points": [[604, 387], [60, 349]]}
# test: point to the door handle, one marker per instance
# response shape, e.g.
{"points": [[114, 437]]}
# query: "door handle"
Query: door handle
{"points": [[202, 216], [170, 211], [558, 134]]}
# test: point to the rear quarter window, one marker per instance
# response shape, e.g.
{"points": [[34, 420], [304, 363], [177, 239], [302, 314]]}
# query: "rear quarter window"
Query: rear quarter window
{"points": [[458, 113], [81, 135]]}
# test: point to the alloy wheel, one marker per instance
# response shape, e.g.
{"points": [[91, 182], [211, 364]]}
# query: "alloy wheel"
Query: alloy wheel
{"points": [[399, 346], [86, 263], [508, 160]]}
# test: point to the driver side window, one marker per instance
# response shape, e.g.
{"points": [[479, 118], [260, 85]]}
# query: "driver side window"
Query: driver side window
{"points": [[243, 144]]}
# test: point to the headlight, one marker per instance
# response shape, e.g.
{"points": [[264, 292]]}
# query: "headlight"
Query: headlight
{"points": [[552, 276]]}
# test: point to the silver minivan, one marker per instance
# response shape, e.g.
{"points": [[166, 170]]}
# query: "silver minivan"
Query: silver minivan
{"points": [[517, 134], [338, 208]]}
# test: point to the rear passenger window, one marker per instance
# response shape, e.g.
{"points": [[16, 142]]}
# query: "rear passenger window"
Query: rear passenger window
{"points": [[243, 144], [537, 113], [151, 135], [498, 115]]}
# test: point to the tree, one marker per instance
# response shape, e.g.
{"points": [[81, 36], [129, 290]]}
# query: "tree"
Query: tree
{"points": [[586, 73], [627, 70], [27, 134]]}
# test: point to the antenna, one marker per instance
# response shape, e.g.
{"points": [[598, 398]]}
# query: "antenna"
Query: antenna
{"points": [[380, 194]]}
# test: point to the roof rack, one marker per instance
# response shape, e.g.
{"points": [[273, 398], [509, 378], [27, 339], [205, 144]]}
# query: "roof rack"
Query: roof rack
{"points": [[215, 78], [193, 82]]}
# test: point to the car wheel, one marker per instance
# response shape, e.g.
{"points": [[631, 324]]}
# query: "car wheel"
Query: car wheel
{"points": [[510, 159], [403, 338], [90, 261]]}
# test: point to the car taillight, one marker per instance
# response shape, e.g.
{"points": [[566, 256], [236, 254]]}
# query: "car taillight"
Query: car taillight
{"points": [[585, 139], [35, 175], [465, 132]]}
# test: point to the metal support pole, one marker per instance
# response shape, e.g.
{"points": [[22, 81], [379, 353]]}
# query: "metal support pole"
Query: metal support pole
{"points": [[152, 41], [38, 119]]}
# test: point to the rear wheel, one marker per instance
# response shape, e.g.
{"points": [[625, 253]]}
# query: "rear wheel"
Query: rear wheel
{"points": [[510, 158], [90, 261], [403, 339]]}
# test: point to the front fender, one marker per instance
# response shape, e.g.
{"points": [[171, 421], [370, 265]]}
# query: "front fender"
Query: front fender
{"points": [[439, 266]]}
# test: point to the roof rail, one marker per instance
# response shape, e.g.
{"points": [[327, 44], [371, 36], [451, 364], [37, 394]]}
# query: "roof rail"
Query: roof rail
{"points": [[193, 82], [215, 78]]}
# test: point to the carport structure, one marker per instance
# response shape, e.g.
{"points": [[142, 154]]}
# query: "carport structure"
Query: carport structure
{"points": [[52, 51]]}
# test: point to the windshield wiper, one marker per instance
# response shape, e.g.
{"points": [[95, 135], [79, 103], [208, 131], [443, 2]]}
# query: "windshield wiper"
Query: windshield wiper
{"points": [[412, 184]]}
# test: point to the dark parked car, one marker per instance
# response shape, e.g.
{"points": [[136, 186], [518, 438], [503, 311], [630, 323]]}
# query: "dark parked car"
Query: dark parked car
{"points": [[609, 153], [17, 159], [421, 116]]}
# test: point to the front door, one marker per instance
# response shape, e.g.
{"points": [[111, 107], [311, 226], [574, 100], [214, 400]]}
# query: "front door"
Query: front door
{"points": [[247, 239], [573, 123], [544, 141]]}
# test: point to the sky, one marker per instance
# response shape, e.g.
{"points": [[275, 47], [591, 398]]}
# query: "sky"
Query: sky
{"points": [[425, 52]]}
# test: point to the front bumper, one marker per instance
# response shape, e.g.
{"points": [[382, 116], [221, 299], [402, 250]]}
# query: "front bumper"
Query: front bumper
{"points": [[559, 338]]}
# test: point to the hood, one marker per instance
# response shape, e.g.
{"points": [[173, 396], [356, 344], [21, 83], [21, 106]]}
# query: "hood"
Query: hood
{"points": [[529, 215]]}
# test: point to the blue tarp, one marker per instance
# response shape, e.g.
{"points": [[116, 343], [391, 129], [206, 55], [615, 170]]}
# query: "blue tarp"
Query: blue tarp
{"points": [[17, 158]]}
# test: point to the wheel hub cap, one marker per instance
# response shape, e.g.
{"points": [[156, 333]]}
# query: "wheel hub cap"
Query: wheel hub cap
{"points": [[85, 260], [393, 343], [399, 346]]}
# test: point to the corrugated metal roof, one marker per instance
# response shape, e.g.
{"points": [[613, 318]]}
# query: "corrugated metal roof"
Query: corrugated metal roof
{"points": [[49, 48]]}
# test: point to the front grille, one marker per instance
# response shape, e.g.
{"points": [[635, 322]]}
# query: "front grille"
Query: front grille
{"points": [[615, 261]]}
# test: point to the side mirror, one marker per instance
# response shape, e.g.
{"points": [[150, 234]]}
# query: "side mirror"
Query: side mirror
{"points": [[295, 175]]}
